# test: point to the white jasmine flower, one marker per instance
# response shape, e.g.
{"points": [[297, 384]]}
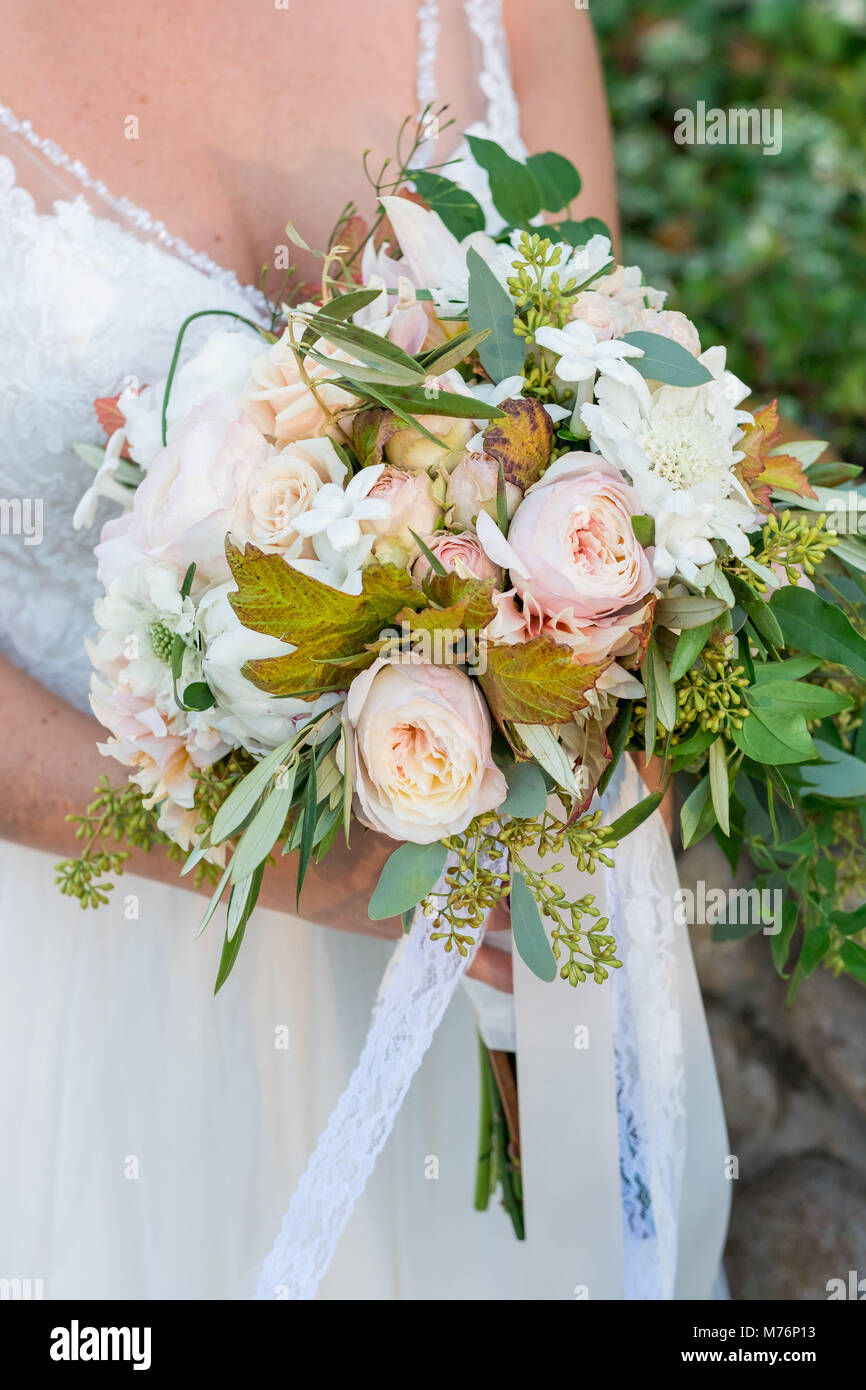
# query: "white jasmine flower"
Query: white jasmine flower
{"points": [[581, 355], [334, 520]]}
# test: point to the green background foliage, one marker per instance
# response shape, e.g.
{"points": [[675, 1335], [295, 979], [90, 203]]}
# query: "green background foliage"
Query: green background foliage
{"points": [[766, 254]]}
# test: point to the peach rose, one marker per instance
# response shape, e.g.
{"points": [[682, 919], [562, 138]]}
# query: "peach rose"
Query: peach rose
{"points": [[281, 490], [414, 507], [670, 323], [462, 555], [572, 543], [414, 452], [420, 743]]}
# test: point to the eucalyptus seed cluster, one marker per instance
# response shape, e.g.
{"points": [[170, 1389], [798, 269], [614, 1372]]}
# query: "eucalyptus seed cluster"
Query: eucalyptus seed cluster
{"points": [[540, 297], [487, 853], [796, 543], [117, 815], [710, 695]]}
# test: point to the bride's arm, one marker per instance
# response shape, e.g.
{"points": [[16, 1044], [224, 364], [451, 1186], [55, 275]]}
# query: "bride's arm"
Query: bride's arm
{"points": [[51, 765], [560, 87]]}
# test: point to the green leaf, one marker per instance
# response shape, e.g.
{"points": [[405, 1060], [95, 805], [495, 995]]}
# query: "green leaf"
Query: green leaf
{"points": [[811, 624], [792, 670], [690, 644], [541, 744], [667, 361], [410, 873], [371, 349], [502, 354], [310, 816], [215, 899], [812, 701], [578, 233], [644, 528], [666, 699], [527, 793], [451, 353], [697, 814], [535, 682], [816, 944], [241, 903], [513, 187], [558, 180], [635, 815], [839, 776], [198, 695], [689, 610], [530, 938], [719, 787], [343, 306], [780, 944], [461, 213], [433, 561], [241, 800], [849, 923], [785, 740], [853, 957], [263, 830]]}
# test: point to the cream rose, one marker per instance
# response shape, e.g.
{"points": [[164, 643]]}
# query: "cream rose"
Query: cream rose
{"points": [[283, 489], [572, 543], [414, 452], [606, 316], [414, 507], [281, 403], [472, 488], [670, 323], [420, 746]]}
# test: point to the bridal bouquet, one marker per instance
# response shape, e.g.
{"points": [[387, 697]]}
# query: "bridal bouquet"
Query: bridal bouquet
{"points": [[428, 551]]}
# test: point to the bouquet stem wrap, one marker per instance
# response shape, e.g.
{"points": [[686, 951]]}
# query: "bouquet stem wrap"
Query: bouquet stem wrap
{"points": [[623, 1139]]}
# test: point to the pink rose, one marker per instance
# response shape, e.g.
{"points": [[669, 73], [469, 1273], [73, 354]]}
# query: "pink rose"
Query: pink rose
{"points": [[187, 501], [414, 507], [472, 489], [462, 555], [670, 323], [572, 543], [420, 750], [606, 316]]}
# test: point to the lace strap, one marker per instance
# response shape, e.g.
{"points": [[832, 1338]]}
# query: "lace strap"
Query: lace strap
{"points": [[485, 19]]}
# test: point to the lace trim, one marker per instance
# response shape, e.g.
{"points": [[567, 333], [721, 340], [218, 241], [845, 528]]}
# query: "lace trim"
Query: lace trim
{"points": [[484, 17], [134, 214]]}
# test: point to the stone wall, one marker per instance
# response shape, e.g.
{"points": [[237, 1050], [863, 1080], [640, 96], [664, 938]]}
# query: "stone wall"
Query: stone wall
{"points": [[794, 1087]]}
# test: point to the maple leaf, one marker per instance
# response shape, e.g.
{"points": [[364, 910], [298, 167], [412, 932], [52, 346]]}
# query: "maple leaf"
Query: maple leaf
{"points": [[371, 430], [111, 418], [760, 471], [521, 441], [536, 682]]}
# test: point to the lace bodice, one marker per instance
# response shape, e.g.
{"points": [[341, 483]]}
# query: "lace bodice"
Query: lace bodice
{"points": [[92, 292]]}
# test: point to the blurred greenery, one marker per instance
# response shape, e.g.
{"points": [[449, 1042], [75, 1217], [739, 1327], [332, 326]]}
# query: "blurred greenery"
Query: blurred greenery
{"points": [[766, 254]]}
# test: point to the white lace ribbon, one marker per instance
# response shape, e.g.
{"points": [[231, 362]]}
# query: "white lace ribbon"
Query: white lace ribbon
{"points": [[416, 990]]}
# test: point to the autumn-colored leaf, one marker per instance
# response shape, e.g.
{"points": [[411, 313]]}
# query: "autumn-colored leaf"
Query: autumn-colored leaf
{"points": [[449, 591], [111, 417], [319, 621], [521, 440], [371, 430], [760, 471], [536, 682]]}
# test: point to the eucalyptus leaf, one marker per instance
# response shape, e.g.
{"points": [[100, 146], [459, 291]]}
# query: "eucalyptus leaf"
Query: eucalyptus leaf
{"points": [[689, 610], [527, 793], [459, 210], [719, 788], [811, 624], [530, 938], [557, 179], [410, 873], [502, 353], [513, 187], [838, 776], [665, 360]]}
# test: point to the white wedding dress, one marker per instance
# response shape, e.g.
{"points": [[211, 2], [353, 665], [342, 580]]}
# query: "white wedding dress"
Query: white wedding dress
{"points": [[151, 1134]]}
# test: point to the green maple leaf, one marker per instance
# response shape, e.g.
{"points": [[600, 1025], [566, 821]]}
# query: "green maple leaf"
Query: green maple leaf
{"points": [[537, 682]]}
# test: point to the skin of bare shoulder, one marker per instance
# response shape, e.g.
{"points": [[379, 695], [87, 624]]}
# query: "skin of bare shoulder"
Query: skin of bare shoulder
{"points": [[224, 122]]}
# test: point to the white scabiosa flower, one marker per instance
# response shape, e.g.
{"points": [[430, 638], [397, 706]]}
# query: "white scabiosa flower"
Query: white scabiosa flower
{"points": [[678, 445]]}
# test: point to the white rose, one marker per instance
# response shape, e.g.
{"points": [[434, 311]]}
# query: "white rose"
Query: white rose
{"points": [[421, 759], [245, 715], [283, 489], [222, 364]]}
